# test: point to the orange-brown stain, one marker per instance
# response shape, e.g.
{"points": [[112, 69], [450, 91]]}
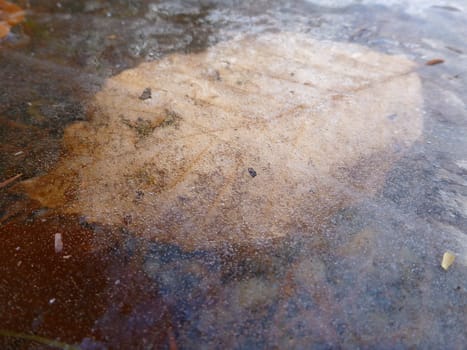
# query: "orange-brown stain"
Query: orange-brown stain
{"points": [[82, 292]]}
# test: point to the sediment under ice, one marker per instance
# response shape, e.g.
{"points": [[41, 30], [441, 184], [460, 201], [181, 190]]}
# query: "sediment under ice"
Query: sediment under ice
{"points": [[256, 138]]}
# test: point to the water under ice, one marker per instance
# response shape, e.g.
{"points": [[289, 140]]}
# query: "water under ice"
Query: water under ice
{"points": [[368, 275]]}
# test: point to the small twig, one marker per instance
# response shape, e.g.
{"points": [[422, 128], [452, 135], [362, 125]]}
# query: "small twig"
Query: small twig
{"points": [[10, 180], [35, 338]]}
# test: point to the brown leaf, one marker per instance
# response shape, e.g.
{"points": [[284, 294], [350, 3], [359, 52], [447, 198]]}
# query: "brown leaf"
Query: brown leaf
{"points": [[4, 29], [10, 14], [434, 62]]}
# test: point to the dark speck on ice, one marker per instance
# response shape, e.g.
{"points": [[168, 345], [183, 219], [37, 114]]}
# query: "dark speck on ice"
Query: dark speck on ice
{"points": [[252, 172], [146, 94]]}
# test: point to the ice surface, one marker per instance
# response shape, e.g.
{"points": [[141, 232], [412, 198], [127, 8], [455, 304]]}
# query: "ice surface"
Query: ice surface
{"points": [[366, 275]]}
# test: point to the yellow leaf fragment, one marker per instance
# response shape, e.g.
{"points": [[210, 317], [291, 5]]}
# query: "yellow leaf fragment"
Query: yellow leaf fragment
{"points": [[448, 260]]}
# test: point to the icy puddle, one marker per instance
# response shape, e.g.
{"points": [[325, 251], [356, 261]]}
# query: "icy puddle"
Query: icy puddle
{"points": [[241, 175], [257, 138]]}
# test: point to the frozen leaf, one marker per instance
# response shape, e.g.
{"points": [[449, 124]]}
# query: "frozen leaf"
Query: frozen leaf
{"points": [[448, 260], [254, 139]]}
